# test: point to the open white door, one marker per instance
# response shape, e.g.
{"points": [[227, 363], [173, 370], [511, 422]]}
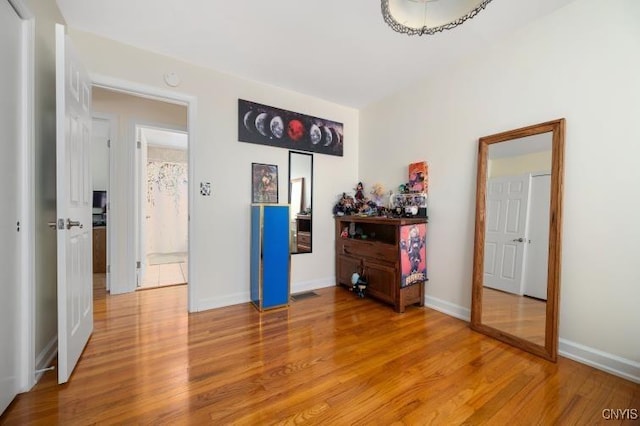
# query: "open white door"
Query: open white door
{"points": [[505, 238], [74, 201]]}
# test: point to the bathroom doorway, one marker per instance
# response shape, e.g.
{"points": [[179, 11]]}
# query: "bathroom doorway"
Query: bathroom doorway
{"points": [[164, 214]]}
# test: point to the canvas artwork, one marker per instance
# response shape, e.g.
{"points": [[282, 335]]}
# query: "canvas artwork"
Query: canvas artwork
{"points": [[413, 254], [418, 177], [264, 183], [267, 125]]}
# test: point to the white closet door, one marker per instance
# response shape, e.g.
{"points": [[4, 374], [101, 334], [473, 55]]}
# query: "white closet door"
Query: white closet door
{"points": [[10, 104]]}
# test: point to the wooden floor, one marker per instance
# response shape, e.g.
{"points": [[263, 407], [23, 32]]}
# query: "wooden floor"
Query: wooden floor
{"points": [[517, 315], [332, 360]]}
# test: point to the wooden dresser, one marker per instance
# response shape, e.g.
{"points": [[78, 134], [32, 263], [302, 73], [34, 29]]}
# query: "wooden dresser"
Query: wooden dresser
{"points": [[389, 253], [303, 232], [99, 249]]}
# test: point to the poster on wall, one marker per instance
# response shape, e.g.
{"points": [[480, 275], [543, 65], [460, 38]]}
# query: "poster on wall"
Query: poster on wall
{"points": [[413, 254], [418, 177], [264, 183], [266, 125]]}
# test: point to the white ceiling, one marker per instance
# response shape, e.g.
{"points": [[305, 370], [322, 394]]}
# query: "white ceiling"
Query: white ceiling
{"points": [[338, 50]]}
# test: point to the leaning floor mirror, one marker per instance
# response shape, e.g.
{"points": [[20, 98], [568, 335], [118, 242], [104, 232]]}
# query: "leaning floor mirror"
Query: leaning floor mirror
{"points": [[516, 265]]}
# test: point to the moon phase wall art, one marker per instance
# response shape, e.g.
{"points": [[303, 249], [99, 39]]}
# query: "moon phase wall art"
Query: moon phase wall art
{"points": [[266, 125]]}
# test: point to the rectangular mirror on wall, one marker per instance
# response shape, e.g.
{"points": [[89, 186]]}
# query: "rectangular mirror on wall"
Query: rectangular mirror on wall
{"points": [[300, 199], [517, 242]]}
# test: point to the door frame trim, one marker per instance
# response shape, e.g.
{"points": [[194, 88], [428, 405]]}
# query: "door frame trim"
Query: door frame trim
{"points": [[156, 93], [27, 376]]}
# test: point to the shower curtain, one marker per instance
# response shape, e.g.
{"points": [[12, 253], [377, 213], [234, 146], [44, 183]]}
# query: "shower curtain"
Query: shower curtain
{"points": [[167, 207]]}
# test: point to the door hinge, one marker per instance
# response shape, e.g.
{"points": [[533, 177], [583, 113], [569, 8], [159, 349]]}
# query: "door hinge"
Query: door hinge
{"points": [[138, 265], [139, 144], [108, 143], [108, 269]]}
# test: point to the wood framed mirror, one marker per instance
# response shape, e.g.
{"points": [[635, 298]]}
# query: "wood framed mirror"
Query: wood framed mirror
{"points": [[300, 199], [518, 228]]}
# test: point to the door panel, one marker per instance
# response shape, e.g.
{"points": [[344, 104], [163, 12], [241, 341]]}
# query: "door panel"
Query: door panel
{"points": [[505, 237], [74, 202], [10, 101], [381, 280]]}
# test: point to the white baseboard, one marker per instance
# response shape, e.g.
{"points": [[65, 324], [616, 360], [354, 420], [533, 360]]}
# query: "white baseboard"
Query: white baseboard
{"points": [[604, 361], [221, 302], [302, 286], [245, 297], [46, 357], [448, 308]]}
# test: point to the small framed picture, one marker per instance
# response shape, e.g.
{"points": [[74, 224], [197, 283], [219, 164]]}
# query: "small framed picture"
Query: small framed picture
{"points": [[419, 177], [264, 183]]}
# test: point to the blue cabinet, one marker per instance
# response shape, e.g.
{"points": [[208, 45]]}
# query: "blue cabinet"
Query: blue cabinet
{"points": [[270, 256]]}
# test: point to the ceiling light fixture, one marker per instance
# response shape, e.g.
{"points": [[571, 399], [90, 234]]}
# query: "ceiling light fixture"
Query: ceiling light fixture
{"points": [[428, 17]]}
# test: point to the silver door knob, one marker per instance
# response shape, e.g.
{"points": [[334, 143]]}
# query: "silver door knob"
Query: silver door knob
{"points": [[518, 240], [72, 223]]}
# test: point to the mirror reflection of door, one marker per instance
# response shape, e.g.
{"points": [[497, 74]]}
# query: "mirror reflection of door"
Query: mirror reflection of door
{"points": [[517, 236], [507, 203], [300, 199]]}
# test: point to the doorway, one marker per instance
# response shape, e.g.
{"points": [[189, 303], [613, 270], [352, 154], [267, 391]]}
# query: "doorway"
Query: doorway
{"points": [[164, 207], [134, 111]]}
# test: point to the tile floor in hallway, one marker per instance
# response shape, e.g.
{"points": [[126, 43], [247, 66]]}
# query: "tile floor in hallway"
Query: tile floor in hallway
{"points": [[165, 274]]}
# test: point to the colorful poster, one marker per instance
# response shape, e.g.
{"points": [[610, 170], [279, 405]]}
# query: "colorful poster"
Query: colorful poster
{"points": [[418, 177], [413, 254], [267, 125]]}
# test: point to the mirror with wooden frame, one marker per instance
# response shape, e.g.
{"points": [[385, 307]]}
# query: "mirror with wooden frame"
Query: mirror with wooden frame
{"points": [[300, 199], [516, 264]]}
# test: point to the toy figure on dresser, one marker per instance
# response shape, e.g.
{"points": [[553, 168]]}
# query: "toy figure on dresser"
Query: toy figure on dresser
{"points": [[359, 284], [345, 206], [344, 233], [359, 192], [378, 193], [361, 205]]}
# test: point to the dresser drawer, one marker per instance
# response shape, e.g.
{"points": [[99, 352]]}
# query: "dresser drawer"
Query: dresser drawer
{"points": [[368, 249], [304, 238]]}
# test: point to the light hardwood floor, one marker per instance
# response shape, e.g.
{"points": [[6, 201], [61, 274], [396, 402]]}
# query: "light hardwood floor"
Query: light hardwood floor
{"points": [[518, 315], [332, 359]]}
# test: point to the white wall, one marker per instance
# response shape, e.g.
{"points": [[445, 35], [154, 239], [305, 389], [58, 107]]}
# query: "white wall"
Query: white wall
{"points": [[520, 164], [220, 245], [582, 63], [100, 134]]}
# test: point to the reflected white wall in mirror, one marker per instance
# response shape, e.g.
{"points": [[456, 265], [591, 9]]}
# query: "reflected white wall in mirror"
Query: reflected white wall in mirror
{"points": [[300, 199]]}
